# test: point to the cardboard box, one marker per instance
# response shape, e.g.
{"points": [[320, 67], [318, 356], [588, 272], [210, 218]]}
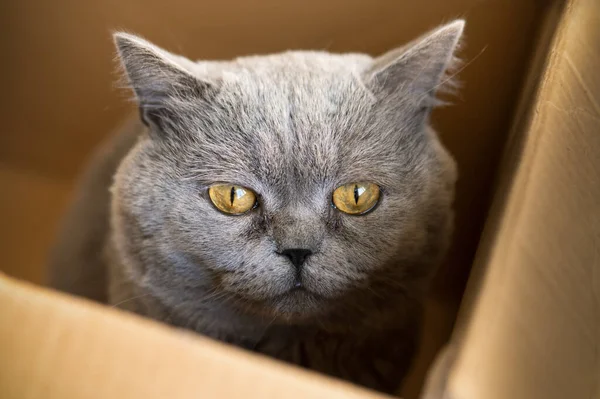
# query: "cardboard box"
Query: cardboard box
{"points": [[532, 329], [529, 326]]}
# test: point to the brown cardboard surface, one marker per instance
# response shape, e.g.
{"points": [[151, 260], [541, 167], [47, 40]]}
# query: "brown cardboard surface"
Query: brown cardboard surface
{"points": [[535, 328], [59, 347], [30, 205]]}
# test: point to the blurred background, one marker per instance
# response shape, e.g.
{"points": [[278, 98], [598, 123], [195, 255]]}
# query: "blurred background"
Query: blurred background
{"points": [[59, 99]]}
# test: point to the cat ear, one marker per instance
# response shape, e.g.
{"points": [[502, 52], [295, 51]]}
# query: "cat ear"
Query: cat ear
{"points": [[414, 72], [159, 79]]}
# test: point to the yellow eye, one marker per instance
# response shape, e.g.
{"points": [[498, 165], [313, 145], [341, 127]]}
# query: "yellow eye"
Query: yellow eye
{"points": [[356, 198], [230, 199]]}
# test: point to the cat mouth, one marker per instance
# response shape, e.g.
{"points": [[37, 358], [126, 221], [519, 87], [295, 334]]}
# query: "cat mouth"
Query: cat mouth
{"points": [[293, 304], [296, 304], [298, 295], [297, 290]]}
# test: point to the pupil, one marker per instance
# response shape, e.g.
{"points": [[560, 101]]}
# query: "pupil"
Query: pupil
{"points": [[356, 194], [232, 195]]}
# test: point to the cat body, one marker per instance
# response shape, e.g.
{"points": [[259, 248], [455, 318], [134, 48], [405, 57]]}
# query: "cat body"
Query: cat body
{"points": [[293, 277]]}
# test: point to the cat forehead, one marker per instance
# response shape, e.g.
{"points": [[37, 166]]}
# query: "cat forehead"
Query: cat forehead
{"points": [[293, 93], [290, 138], [317, 78], [288, 63], [289, 118]]}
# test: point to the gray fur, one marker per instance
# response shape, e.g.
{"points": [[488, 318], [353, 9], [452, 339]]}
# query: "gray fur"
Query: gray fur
{"points": [[292, 127]]}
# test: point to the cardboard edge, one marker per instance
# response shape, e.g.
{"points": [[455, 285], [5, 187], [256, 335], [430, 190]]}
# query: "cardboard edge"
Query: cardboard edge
{"points": [[541, 84], [539, 74], [49, 338]]}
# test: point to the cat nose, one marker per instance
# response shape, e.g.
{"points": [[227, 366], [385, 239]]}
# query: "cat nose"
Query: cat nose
{"points": [[296, 255]]}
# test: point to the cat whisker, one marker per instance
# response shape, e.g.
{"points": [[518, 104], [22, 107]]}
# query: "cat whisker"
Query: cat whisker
{"points": [[128, 300], [450, 77]]}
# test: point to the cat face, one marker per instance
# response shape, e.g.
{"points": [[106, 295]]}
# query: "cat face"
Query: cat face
{"points": [[274, 137]]}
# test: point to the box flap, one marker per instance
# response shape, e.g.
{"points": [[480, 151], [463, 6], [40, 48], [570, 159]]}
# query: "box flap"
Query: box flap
{"points": [[58, 347], [535, 326]]}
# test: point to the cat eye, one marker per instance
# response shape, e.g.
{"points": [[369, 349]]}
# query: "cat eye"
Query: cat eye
{"points": [[232, 200], [356, 198]]}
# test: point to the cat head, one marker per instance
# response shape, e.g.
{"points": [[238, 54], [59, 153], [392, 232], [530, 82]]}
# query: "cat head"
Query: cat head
{"points": [[285, 185]]}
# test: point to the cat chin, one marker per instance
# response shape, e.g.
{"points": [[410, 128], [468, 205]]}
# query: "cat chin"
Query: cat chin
{"points": [[293, 307]]}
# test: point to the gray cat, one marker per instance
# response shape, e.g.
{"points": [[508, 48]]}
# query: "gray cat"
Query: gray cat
{"points": [[294, 204]]}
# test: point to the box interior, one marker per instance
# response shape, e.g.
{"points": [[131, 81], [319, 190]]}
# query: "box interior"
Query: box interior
{"points": [[62, 101], [533, 327]]}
